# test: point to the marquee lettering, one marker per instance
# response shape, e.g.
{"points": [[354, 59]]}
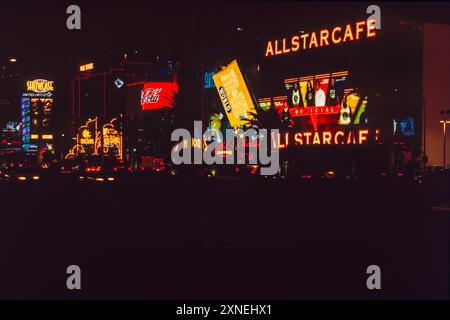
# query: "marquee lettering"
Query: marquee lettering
{"points": [[325, 37], [325, 138]]}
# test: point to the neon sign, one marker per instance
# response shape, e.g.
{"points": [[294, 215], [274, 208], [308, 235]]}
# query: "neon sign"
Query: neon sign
{"points": [[119, 83], [208, 80], [325, 37], [40, 85], [92, 141], [298, 112], [87, 67], [339, 137], [157, 95], [112, 139], [25, 106], [407, 127]]}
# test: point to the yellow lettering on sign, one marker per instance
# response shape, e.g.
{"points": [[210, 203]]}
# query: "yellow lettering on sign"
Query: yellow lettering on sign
{"points": [[234, 94], [40, 85]]}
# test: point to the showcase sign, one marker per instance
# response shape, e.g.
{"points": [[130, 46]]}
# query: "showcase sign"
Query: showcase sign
{"points": [[234, 94], [39, 88], [333, 36], [40, 85]]}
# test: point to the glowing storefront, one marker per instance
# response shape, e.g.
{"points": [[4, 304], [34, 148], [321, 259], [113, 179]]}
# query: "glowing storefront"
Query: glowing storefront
{"points": [[37, 106]]}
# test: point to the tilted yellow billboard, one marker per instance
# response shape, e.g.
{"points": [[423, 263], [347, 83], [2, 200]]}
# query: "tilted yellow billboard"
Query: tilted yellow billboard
{"points": [[234, 95]]}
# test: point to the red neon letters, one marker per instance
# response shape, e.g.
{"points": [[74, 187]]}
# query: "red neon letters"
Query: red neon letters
{"points": [[324, 137]]}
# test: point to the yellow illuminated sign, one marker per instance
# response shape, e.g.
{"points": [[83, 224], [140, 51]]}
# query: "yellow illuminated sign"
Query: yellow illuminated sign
{"points": [[112, 138], [40, 85], [97, 141], [234, 95], [87, 67], [87, 134], [86, 137], [47, 136], [34, 136]]}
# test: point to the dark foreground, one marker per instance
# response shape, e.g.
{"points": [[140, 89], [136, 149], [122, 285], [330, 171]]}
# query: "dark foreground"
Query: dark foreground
{"points": [[168, 238]]}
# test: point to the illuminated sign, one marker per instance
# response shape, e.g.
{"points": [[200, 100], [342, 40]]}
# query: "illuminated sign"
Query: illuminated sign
{"points": [[299, 112], [40, 86], [325, 37], [407, 127], [25, 108], [119, 83], [12, 126], [92, 141], [323, 98], [158, 95], [234, 94], [136, 84], [87, 67], [265, 103], [339, 137], [208, 81], [89, 137], [86, 137], [280, 102], [112, 139]]}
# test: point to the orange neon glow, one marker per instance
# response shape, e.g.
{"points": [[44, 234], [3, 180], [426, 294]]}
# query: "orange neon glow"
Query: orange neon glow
{"points": [[269, 49], [326, 137], [349, 138], [286, 141], [351, 32], [285, 50], [298, 138], [324, 34], [362, 136], [295, 44], [359, 28], [323, 138], [371, 28], [313, 40], [348, 33], [316, 139], [333, 38], [307, 135], [304, 36], [98, 140], [336, 135], [276, 48]]}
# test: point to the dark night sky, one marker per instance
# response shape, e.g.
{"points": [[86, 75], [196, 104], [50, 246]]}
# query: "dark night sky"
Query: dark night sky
{"points": [[36, 31]]}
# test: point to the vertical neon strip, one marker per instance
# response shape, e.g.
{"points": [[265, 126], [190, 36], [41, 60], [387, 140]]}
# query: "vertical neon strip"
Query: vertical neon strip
{"points": [[73, 107], [104, 96], [79, 102]]}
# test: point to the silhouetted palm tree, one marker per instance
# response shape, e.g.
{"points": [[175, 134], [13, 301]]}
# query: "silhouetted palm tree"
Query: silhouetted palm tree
{"points": [[264, 119]]}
